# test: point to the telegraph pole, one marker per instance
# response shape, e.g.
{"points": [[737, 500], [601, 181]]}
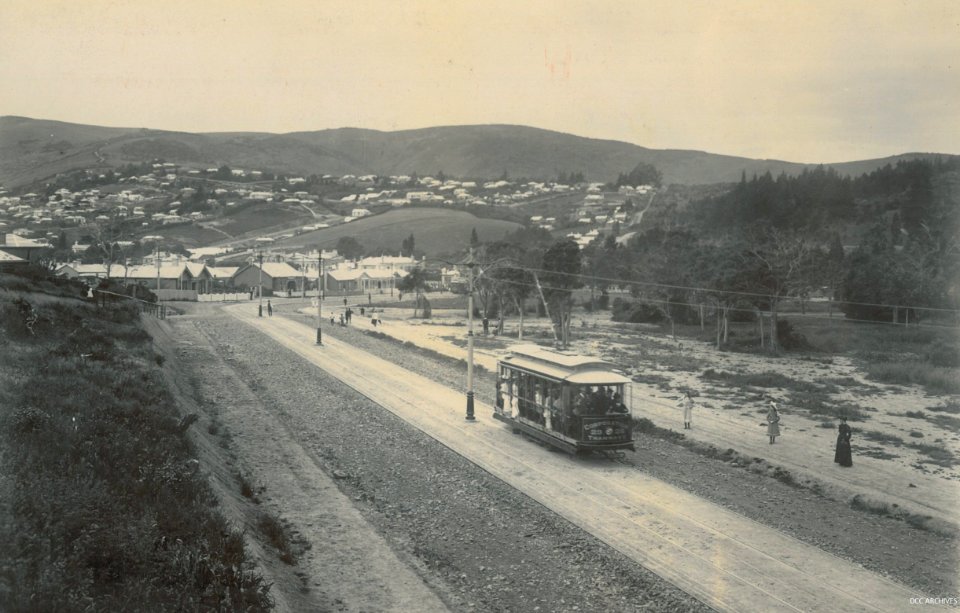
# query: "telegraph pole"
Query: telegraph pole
{"points": [[319, 293], [470, 265], [260, 258]]}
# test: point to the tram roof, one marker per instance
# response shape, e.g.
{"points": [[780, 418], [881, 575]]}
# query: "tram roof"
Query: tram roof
{"points": [[563, 366]]}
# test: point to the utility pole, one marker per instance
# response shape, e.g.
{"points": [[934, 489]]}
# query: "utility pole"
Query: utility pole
{"points": [[260, 258], [470, 265], [303, 277], [319, 293]]}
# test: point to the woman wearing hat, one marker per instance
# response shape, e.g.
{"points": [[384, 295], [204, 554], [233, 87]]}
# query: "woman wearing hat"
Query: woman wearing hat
{"points": [[687, 404], [843, 455], [773, 422]]}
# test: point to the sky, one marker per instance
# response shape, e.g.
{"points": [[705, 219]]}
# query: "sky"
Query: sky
{"points": [[804, 81]]}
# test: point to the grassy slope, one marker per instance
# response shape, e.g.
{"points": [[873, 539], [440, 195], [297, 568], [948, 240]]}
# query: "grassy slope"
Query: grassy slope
{"points": [[107, 513], [435, 230]]}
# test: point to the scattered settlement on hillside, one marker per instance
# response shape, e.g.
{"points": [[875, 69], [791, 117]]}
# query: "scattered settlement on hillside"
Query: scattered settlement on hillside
{"points": [[115, 223]]}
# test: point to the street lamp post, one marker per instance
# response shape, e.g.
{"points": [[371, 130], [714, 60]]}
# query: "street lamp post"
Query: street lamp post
{"points": [[470, 265], [260, 258], [319, 293]]}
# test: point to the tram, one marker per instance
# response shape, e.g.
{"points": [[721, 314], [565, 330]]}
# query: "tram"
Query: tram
{"points": [[575, 403]]}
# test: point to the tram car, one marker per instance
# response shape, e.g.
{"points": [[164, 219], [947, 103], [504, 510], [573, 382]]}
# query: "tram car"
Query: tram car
{"points": [[575, 403]]}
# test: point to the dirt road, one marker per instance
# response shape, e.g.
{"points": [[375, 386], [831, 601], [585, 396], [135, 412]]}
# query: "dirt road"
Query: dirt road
{"points": [[727, 561], [467, 538]]}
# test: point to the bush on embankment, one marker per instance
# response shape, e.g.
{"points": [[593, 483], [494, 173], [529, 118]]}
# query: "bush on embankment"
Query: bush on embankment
{"points": [[106, 510]]}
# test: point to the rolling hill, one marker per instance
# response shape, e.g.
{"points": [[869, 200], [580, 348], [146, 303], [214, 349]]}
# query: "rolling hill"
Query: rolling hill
{"points": [[32, 149]]}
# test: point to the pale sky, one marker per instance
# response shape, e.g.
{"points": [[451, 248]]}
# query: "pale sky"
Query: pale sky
{"points": [[814, 81]]}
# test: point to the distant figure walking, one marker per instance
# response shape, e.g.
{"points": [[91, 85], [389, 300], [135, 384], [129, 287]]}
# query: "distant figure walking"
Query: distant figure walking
{"points": [[349, 315], [687, 404], [269, 309], [773, 422], [342, 322], [843, 456], [362, 309]]}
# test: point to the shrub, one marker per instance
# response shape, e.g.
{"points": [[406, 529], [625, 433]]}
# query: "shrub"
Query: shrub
{"points": [[789, 338], [943, 353], [276, 533], [630, 311]]}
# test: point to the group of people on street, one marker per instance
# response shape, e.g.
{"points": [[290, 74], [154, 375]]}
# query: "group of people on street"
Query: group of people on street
{"points": [[842, 456]]}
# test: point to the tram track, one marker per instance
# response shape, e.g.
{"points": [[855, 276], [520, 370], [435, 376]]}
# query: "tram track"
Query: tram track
{"points": [[725, 560]]}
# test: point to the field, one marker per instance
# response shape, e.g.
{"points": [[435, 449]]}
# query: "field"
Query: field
{"points": [[436, 231], [259, 218], [190, 234]]}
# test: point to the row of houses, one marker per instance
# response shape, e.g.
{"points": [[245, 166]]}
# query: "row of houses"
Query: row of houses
{"points": [[369, 275]]}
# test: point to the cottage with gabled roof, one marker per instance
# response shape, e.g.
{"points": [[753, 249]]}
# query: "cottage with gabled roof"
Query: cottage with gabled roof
{"points": [[276, 277]]}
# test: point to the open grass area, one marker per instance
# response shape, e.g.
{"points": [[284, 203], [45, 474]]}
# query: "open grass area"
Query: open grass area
{"points": [[109, 512], [436, 231], [767, 379], [936, 379], [259, 216]]}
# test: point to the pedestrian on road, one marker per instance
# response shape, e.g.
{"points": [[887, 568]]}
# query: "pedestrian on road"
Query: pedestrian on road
{"points": [[362, 309], [773, 422], [349, 315], [486, 326], [370, 298], [344, 301], [341, 319], [687, 404], [269, 309], [843, 455]]}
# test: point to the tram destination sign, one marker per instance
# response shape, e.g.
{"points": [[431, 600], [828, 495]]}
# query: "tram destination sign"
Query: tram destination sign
{"points": [[604, 429]]}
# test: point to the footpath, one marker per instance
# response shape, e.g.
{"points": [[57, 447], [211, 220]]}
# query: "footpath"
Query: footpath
{"points": [[724, 559]]}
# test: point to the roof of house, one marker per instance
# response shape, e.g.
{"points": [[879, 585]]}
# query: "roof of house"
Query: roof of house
{"points": [[196, 269], [14, 240], [351, 274], [9, 258], [222, 272], [91, 269], [150, 271], [276, 270]]}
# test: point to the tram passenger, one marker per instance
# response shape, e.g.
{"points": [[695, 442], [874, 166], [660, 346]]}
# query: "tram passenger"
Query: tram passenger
{"points": [[598, 401], [618, 408]]}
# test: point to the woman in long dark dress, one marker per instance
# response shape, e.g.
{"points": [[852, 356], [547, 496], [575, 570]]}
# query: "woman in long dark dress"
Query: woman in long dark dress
{"points": [[843, 456]]}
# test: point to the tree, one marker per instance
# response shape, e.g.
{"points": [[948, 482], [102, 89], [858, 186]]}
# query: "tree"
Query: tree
{"points": [[782, 265], [416, 282], [474, 238], [642, 174], [561, 267], [349, 247], [504, 279], [407, 246]]}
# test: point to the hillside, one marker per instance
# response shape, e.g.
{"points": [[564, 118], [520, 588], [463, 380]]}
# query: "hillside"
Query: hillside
{"points": [[436, 231], [32, 149]]}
